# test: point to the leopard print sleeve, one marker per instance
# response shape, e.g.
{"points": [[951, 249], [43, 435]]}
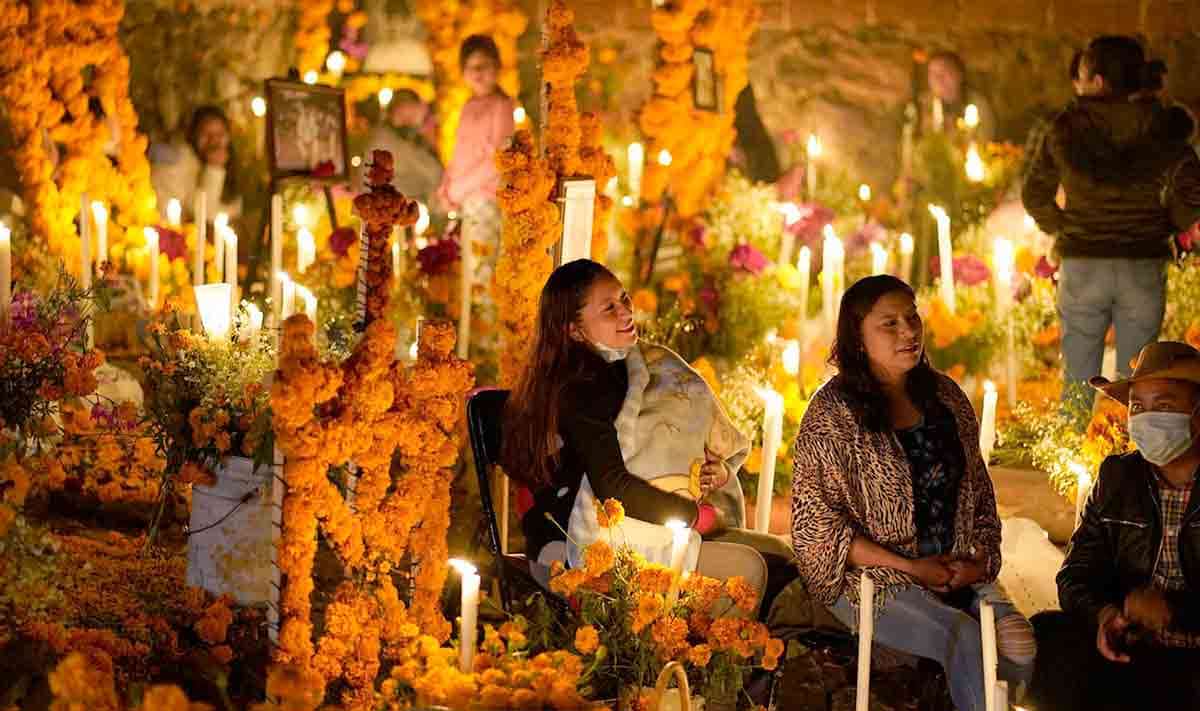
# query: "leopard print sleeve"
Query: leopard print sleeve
{"points": [[821, 527]]}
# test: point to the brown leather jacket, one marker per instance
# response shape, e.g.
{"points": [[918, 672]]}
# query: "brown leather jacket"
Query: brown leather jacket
{"points": [[1117, 546], [1131, 179]]}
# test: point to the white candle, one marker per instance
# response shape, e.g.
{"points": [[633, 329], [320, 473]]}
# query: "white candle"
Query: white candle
{"points": [[832, 277], [579, 199], [791, 358], [306, 250], [1001, 695], [906, 256], [945, 255], [987, 627], [212, 301], [220, 223], [791, 214], [309, 302], [152, 246], [804, 265], [469, 615], [939, 115], [231, 264], [276, 260], [976, 170], [100, 212], [879, 259], [396, 258], [987, 428], [681, 535], [287, 296], [864, 196], [637, 158], [200, 213], [5, 275], [85, 245], [772, 436], [174, 214], [814, 148], [866, 633], [971, 117], [422, 220], [254, 320], [1083, 488], [1003, 262]]}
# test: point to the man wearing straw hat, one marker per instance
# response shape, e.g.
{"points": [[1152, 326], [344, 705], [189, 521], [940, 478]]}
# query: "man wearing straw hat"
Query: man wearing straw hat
{"points": [[1129, 633]]}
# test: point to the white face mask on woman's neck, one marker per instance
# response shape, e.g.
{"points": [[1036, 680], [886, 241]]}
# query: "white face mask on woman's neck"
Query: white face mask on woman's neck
{"points": [[608, 353]]}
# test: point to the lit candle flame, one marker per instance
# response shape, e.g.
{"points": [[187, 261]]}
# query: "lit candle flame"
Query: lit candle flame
{"points": [[664, 157], [971, 116], [906, 243], [311, 76], [386, 94], [258, 106], [463, 567], [976, 170], [814, 147], [864, 192], [336, 62], [519, 115]]}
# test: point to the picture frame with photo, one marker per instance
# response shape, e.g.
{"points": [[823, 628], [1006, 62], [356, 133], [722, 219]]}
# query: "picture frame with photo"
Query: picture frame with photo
{"points": [[706, 83], [306, 131]]}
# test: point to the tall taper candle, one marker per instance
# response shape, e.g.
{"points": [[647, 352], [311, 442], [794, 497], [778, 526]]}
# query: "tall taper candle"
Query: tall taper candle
{"points": [[152, 247], [5, 275], [906, 256], [276, 260], [681, 535], [100, 212], [945, 256], [200, 214], [987, 628], [469, 616], [772, 436], [220, 222], [987, 427], [804, 265], [231, 266], [637, 158], [866, 634]]}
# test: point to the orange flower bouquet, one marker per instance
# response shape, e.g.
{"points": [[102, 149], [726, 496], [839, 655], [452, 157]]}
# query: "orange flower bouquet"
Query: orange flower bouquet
{"points": [[634, 617]]}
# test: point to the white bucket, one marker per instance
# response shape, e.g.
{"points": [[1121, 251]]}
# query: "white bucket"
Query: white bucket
{"points": [[234, 532]]}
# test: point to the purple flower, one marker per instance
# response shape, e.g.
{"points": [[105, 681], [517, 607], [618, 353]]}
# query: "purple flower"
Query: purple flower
{"points": [[710, 297], [696, 237], [438, 256], [341, 239], [23, 310], [813, 218], [748, 259], [968, 270]]}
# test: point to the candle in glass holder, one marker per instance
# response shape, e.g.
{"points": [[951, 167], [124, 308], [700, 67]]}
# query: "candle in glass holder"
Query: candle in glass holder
{"points": [[469, 615], [945, 256], [212, 301], [151, 235]]}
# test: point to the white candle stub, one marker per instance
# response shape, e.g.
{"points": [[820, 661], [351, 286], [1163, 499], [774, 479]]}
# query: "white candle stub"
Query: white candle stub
{"points": [[470, 613]]}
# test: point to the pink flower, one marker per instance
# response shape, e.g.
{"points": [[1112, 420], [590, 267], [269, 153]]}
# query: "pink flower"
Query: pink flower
{"points": [[813, 218], [790, 137], [1045, 269], [748, 259], [341, 239], [1188, 238], [438, 256], [23, 310], [171, 243], [968, 270], [324, 169], [710, 297]]}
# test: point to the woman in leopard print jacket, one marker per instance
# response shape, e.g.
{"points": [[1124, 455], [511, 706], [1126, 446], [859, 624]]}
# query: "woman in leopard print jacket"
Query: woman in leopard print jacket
{"points": [[889, 482]]}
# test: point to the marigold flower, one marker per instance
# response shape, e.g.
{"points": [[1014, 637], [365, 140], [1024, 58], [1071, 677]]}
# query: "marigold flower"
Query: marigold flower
{"points": [[587, 639], [742, 593], [700, 655], [598, 558], [610, 513]]}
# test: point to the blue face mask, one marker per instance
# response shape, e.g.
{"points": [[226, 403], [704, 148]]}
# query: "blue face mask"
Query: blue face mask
{"points": [[1161, 437]]}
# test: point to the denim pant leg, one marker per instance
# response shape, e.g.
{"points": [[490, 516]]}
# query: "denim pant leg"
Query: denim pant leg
{"points": [[1085, 307], [917, 623], [1140, 305], [1008, 670]]}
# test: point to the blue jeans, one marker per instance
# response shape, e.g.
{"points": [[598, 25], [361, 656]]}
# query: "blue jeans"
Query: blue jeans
{"points": [[1130, 294], [916, 622]]}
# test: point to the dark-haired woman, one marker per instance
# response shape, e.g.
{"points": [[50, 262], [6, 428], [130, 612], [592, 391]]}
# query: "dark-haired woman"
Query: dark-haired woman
{"points": [[1130, 182], [889, 482], [205, 163], [597, 415]]}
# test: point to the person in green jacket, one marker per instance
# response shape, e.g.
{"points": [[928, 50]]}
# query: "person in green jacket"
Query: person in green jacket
{"points": [[1131, 182]]}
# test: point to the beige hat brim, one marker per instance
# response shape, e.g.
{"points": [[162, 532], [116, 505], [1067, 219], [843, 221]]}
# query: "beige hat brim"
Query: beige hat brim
{"points": [[1119, 389]]}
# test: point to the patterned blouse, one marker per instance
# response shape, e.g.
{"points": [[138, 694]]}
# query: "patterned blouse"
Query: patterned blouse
{"points": [[1168, 574], [850, 481], [933, 453]]}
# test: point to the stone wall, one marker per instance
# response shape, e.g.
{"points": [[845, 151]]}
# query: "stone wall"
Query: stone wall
{"points": [[846, 70]]}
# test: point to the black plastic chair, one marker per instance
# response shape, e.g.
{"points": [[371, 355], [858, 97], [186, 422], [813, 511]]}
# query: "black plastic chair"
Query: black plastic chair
{"points": [[485, 416]]}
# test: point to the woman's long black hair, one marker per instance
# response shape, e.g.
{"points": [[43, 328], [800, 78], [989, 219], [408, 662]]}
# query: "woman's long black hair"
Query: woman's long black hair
{"points": [[855, 379]]}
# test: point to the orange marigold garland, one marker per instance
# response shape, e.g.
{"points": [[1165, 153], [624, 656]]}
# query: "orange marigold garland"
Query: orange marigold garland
{"points": [[312, 34], [359, 412], [56, 56], [381, 209], [447, 24]]}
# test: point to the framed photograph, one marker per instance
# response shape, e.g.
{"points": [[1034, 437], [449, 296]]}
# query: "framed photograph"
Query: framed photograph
{"points": [[577, 198], [306, 131], [706, 85]]}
